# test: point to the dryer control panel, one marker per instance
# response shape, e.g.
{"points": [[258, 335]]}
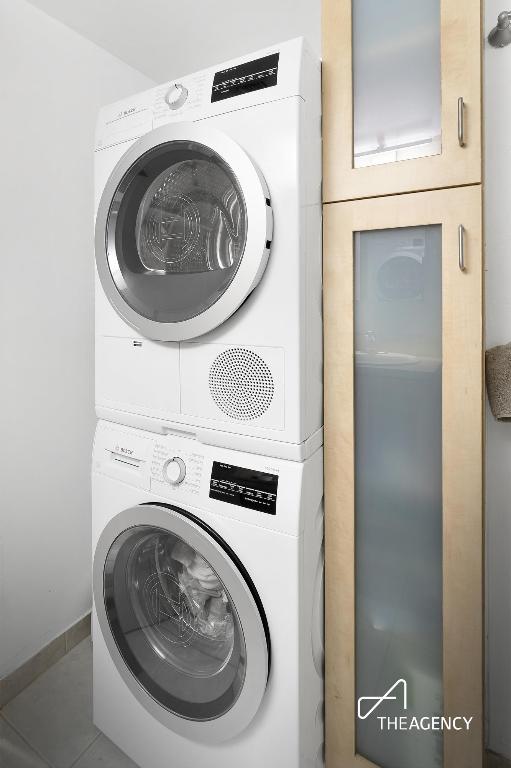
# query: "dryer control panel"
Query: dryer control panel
{"points": [[274, 73]]}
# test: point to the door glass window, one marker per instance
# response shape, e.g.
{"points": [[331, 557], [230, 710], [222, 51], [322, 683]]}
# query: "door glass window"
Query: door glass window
{"points": [[176, 231], [398, 493], [174, 623], [397, 99]]}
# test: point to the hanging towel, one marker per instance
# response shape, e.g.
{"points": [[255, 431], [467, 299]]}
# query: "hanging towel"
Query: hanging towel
{"points": [[498, 381]]}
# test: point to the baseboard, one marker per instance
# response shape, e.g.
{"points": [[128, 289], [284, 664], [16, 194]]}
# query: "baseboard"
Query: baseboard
{"points": [[14, 683], [496, 761]]}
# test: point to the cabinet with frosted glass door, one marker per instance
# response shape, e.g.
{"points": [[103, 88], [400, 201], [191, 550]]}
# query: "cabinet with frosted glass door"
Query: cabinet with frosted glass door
{"points": [[401, 96], [403, 481]]}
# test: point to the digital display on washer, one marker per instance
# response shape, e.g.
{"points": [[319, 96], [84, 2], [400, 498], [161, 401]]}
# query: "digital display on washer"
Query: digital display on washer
{"points": [[244, 78], [244, 487]]}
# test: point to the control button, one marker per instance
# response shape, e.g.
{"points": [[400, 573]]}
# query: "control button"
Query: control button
{"points": [[174, 470], [176, 96]]}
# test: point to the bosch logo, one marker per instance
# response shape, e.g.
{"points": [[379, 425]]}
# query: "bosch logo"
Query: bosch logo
{"points": [[125, 451]]}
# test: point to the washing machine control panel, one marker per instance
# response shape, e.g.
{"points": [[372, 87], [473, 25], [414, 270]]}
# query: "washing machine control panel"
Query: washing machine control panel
{"points": [[245, 78], [176, 95], [243, 487], [173, 468]]}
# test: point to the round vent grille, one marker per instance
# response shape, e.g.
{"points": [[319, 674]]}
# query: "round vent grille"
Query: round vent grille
{"points": [[241, 384]]}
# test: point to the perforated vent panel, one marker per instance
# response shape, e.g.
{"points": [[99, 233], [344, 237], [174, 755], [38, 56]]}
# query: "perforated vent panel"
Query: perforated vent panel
{"points": [[241, 384]]}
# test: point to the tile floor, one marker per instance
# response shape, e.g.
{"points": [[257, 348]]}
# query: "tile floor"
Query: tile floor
{"points": [[49, 724]]}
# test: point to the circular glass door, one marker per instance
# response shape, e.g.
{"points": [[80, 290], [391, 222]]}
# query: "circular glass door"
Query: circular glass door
{"points": [[176, 232], [174, 623], [176, 627], [173, 232]]}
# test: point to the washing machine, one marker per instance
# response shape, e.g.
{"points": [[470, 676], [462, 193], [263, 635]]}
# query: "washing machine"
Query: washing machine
{"points": [[208, 255], [208, 595]]}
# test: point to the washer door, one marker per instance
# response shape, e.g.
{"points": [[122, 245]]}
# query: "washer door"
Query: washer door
{"points": [[183, 232], [182, 621]]}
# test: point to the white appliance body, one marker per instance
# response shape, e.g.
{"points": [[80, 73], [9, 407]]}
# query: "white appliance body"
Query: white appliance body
{"points": [[277, 717], [246, 370]]}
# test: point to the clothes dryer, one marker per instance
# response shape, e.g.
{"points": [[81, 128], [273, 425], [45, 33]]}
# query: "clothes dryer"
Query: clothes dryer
{"points": [[208, 254]]}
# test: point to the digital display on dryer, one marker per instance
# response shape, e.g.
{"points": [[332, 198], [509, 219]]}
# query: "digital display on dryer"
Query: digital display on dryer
{"points": [[244, 487], [245, 78]]}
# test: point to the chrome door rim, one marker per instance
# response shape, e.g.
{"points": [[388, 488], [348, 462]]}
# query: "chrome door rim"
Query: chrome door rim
{"points": [[245, 599], [259, 232]]}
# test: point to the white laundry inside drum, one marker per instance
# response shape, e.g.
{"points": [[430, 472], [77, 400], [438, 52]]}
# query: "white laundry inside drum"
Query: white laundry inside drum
{"points": [[191, 219], [181, 605]]}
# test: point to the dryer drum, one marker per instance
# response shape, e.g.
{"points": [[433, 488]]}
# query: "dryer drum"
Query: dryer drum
{"points": [[178, 226], [191, 219], [183, 231]]}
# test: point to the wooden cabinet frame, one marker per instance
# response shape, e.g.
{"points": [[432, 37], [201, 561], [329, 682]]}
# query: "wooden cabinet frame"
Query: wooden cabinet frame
{"points": [[461, 35], [462, 462]]}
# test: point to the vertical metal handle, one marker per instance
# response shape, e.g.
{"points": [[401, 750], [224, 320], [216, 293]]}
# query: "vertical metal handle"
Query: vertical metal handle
{"points": [[461, 122], [461, 247]]}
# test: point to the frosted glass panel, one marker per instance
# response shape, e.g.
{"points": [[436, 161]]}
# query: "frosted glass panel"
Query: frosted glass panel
{"points": [[396, 80], [398, 491]]}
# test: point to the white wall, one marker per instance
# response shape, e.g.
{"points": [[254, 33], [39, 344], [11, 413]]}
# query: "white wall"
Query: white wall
{"points": [[171, 38], [53, 81], [498, 320]]}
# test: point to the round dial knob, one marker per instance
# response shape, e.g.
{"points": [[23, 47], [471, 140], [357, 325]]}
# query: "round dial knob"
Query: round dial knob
{"points": [[174, 470], [176, 96]]}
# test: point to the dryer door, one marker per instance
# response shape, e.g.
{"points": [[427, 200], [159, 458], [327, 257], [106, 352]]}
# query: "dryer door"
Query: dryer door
{"points": [[183, 231], [182, 621]]}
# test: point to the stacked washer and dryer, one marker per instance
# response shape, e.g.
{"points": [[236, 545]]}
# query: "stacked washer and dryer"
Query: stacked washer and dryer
{"points": [[207, 463]]}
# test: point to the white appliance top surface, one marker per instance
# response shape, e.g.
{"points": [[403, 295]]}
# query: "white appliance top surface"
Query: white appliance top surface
{"points": [[213, 91]]}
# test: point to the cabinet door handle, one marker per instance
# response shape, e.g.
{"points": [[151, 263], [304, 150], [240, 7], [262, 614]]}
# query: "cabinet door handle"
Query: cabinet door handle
{"points": [[461, 122], [461, 247]]}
